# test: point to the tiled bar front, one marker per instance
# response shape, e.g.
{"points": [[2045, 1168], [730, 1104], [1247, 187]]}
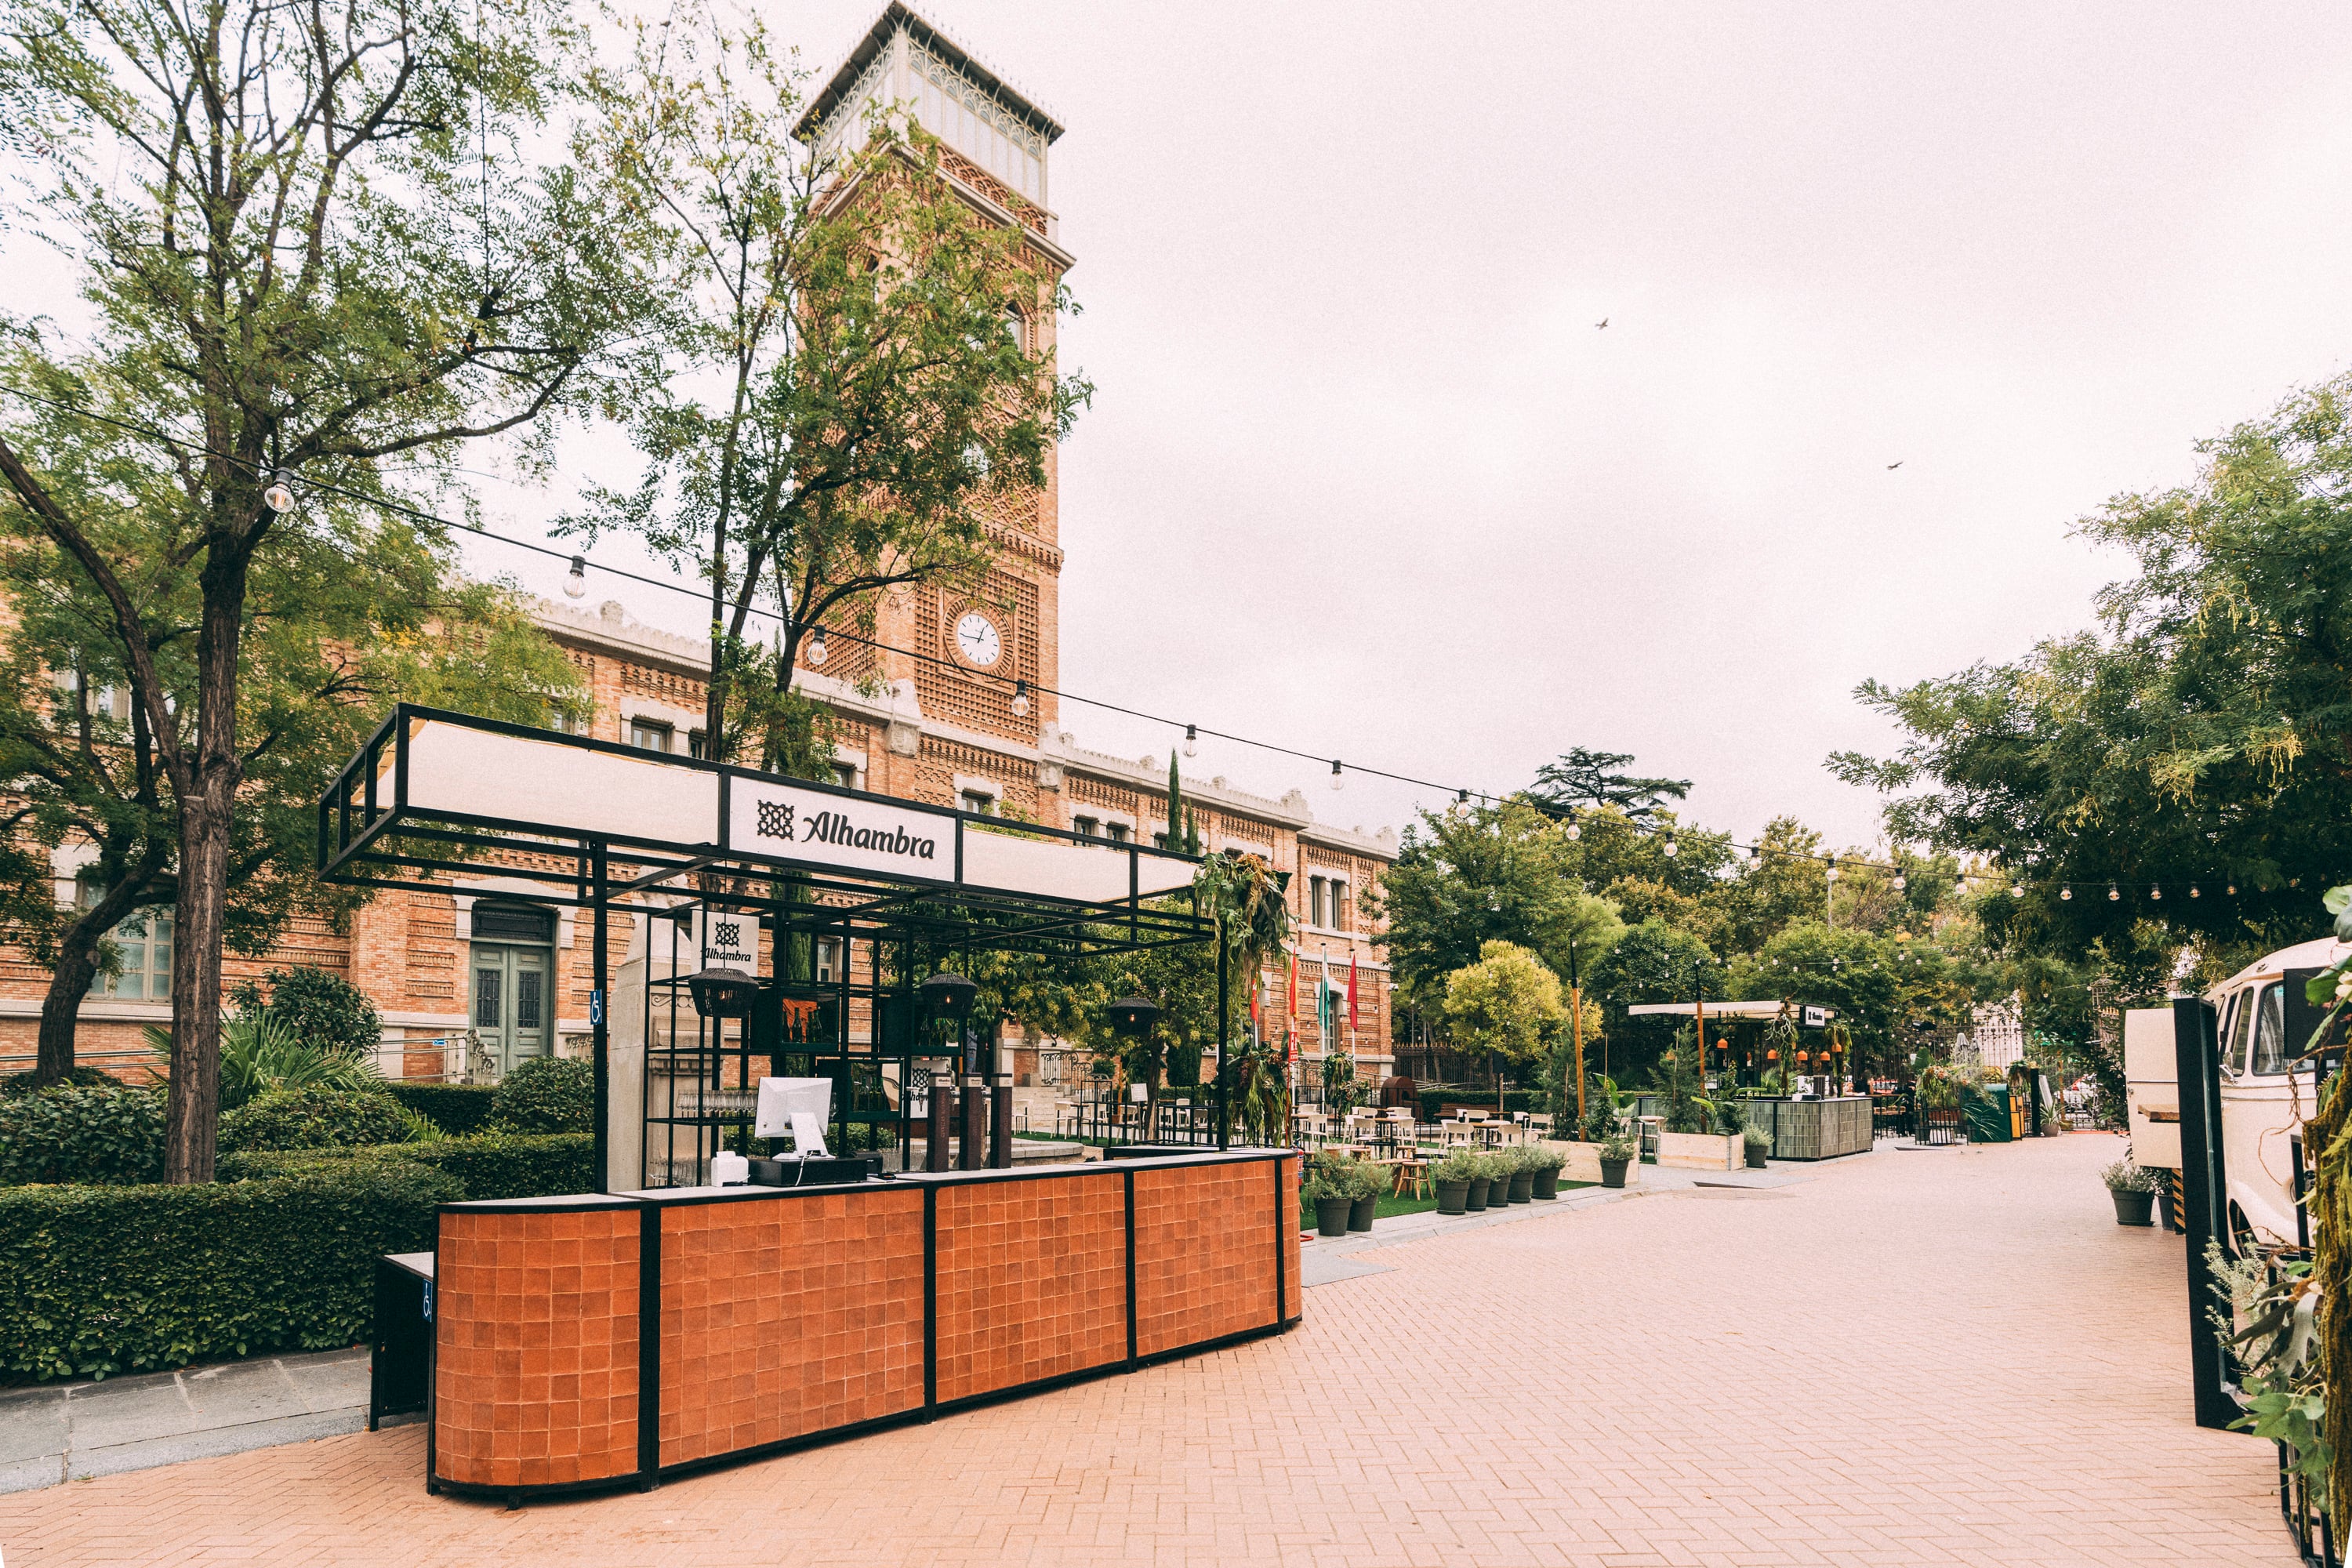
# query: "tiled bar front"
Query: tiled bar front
{"points": [[751, 1320]]}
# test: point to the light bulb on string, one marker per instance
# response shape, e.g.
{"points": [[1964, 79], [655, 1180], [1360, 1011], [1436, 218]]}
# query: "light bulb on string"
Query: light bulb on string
{"points": [[2066, 892], [2231, 889], [1900, 881], [1667, 848], [279, 497], [2157, 891], [2113, 892], [1020, 699], [816, 647], [2017, 890], [1191, 740], [1574, 832], [1338, 781], [2193, 892], [575, 582]]}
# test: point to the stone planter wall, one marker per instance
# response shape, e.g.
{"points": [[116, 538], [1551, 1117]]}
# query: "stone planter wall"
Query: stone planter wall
{"points": [[1701, 1152], [1584, 1163]]}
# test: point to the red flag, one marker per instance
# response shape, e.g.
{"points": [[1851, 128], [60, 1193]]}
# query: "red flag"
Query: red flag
{"points": [[1293, 983], [1352, 1022]]}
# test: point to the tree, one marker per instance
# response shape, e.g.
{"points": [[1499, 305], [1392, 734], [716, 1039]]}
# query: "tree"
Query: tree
{"points": [[879, 410], [2200, 736], [1507, 1004], [293, 233], [1475, 875], [1581, 780], [1653, 961]]}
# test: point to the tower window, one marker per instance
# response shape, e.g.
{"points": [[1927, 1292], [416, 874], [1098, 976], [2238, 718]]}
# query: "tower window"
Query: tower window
{"points": [[1315, 900], [1338, 903], [650, 734], [1086, 826], [979, 804]]}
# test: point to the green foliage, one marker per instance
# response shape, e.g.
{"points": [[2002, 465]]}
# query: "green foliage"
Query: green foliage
{"points": [[459, 1110], [1462, 1165], [2123, 1176], [321, 1118], [79, 1078], [1541, 1157], [489, 1166], [548, 1094], [260, 1054], [319, 1009], [1582, 779], [1679, 1080], [1619, 1146], [1758, 1139], [1508, 1003], [108, 1135], [100, 1280], [1342, 1090]]}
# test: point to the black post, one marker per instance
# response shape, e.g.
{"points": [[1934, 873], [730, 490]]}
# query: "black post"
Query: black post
{"points": [[943, 1128], [973, 1149], [1224, 1111], [999, 1122], [2197, 1066], [599, 1029]]}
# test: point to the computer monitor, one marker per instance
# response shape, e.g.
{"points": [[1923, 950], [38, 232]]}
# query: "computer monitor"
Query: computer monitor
{"points": [[796, 1106]]}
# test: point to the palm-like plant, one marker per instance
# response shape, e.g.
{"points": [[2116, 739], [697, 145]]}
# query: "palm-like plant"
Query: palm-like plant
{"points": [[260, 1054]]}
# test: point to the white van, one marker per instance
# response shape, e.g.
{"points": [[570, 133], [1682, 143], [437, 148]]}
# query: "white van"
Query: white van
{"points": [[2263, 1103]]}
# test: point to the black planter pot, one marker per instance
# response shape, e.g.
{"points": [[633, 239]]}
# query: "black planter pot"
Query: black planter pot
{"points": [[1452, 1197], [2133, 1208], [1362, 1212], [1548, 1185], [1523, 1186], [1612, 1172], [1478, 1193], [1754, 1159], [1331, 1215]]}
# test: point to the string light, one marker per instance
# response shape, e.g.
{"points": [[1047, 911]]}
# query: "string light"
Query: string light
{"points": [[2113, 893], [575, 582], [2157, 891], [1337, 780], [2066, 892], [816, 647], [1191, 740], [1020, 702], [2193, 892], [1668, 849], [279, 497]]}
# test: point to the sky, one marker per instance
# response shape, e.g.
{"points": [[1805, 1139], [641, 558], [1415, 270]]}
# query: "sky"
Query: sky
{"points": [[1363, 477]]}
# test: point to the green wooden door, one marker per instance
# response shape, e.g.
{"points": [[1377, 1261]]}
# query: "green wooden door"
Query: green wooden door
{"points": [[513, 1002]]}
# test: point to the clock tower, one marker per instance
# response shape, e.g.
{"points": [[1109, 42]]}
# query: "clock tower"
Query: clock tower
{"points": [[984, 654]]}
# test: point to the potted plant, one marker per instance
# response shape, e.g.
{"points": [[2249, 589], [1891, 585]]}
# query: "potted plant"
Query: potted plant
{"points": [[1617, 1151], [1758, 1143], [2134, 1189], [1481, 1181], [1327, 1191], [1523, 1175], [1366, 1183], [1453, 1177], [1545, 1163]]}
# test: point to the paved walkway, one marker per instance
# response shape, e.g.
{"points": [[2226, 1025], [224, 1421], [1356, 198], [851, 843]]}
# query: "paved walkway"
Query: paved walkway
{"points": [[1945, 1357]]}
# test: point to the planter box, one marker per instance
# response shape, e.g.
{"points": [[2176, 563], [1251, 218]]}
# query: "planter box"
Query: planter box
{"points": [[1584, 1163], [1701, 1151]]}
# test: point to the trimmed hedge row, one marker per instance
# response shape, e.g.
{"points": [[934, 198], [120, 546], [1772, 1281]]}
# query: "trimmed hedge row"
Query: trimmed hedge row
{"points": [[74, 1134], [457, 1109], [495, 1165], [101, 1280]]}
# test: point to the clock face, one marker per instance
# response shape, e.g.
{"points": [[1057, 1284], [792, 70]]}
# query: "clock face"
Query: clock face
{"points": [[977, 640]]}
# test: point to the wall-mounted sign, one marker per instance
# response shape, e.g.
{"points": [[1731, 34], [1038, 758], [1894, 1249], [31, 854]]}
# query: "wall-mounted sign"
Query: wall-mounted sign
{"points": [[1816, 1018], [730, 940], [856, 834]]}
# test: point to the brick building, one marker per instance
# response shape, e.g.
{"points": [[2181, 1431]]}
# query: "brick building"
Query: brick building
{"points": [[947, 721]]}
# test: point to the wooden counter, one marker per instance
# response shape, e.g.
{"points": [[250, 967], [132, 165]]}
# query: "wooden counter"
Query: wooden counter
{"points": [[754, 1319]]}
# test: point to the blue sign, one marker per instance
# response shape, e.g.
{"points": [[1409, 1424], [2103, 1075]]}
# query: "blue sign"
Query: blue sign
{"points": [[595, 1009]]}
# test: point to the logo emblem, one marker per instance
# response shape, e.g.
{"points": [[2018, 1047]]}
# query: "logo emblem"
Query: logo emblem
{"points": [[775, 819]]}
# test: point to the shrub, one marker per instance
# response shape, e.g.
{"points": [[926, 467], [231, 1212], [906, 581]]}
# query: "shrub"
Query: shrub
{"points": [[79, 1077], [103, 1136], [323, 1011], [321, 1118], [1758, 1139], [258, 1054], [2123, 1176], [1366, 1180], [457, 1109], [1462, 1165], [496, 1165], [1539, 1157], [1619, 1146], [548, 1094], [100, 1280]]}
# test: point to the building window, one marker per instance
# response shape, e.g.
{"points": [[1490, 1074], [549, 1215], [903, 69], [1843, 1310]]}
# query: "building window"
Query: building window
{"points": [[845, 774], [143, 940], [1017, 324], [651, 734], [1086, 826], [698, 744], [1315, 900], [1118, 832], [979, 804], [1338, 903], [564, 723]]}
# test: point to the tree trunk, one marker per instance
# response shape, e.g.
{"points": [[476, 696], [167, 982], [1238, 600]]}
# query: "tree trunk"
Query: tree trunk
{"points": [[76, 969], [207, 802]]}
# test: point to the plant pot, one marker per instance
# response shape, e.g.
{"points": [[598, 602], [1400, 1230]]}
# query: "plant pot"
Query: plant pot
{"points": [[1756, 1159], [1331, 1215], [1452, 1197], [1362, 1212], [1523, 1186], [1547, 1185], [1478, 1193], [2133, 1208], [1612, 1172]]}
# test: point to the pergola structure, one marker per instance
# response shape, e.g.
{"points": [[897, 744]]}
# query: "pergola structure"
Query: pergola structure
{"points": [[858, 895]]}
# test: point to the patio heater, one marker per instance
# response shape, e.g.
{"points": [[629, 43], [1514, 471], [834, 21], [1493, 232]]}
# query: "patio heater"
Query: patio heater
{"points": [[950, 996]]}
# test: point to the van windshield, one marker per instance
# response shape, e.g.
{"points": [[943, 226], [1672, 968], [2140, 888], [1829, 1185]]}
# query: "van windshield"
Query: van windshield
{"points": [[2269, 1032]]}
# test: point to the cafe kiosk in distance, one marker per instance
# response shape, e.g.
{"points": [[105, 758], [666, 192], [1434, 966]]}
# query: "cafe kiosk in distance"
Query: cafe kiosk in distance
{"points": [[664, 1325]]}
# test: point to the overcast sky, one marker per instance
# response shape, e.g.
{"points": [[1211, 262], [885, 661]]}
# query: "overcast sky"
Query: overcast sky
{"points": [[1363, 477]]}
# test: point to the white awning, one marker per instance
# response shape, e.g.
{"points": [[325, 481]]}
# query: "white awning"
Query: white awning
{"points": [[1764, 1010]]}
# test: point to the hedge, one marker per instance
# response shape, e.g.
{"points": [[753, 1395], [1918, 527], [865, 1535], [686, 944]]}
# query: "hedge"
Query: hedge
{"points": [[72, 1134], [548, 1094], [496, 1165], [321, 1118], [101, 1280], [457, 1109]]}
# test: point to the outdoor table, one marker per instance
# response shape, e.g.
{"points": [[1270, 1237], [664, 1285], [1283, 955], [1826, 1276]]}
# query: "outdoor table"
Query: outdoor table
{"points": [[758, 1319]]}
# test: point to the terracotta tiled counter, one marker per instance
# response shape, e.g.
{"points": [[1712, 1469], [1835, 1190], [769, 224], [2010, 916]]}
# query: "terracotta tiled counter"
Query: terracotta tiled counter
{"points": [[751, 1320]]}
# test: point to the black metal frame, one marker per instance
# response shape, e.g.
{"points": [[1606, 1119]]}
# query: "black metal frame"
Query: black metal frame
{"points": [[365, 839], [651, 1472]]}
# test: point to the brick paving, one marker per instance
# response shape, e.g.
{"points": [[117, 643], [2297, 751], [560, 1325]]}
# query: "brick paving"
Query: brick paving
{"points": [[1914, 1358]]}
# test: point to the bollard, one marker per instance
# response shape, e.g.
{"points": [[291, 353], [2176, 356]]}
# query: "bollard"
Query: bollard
{"points": [[1000, 1123], [942, 1127], [974, 1151]]}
